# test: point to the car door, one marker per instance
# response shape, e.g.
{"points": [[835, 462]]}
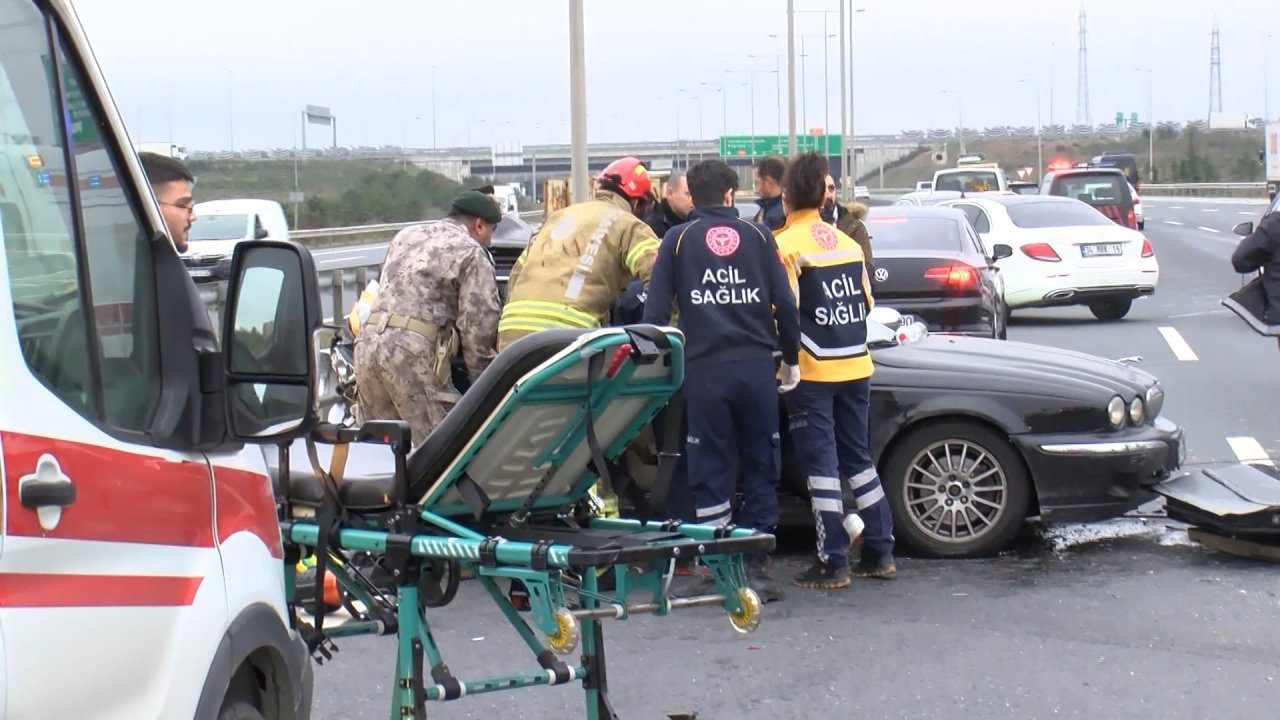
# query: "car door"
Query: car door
{"points": [[110, 570], [979, 220]]}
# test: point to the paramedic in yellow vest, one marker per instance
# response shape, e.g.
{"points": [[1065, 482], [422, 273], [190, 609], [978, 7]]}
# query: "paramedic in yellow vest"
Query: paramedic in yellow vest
{"points": [[828, 410], [575, 268]]}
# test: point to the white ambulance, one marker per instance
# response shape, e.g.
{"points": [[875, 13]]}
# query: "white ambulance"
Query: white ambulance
{"points": [[141, 562]]}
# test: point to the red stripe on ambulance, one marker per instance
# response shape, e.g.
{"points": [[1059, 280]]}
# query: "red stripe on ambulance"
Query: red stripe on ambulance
{"points": [[50, 590], [120, 496], [129, 497], [245, 502]]}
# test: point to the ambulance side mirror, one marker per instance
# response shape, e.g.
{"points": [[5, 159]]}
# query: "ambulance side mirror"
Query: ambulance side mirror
{"points": [[271, 315]]}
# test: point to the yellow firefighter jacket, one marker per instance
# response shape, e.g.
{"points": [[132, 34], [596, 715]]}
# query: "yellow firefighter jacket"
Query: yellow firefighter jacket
{"points": [[574, 269], [828, 275]]}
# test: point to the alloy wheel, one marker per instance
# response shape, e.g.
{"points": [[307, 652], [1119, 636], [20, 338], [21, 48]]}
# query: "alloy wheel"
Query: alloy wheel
{"points": [[955, 491]]}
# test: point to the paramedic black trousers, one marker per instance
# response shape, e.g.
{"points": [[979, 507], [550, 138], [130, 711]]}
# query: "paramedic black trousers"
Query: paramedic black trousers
{"points": [[829, 427], [731, 408]]}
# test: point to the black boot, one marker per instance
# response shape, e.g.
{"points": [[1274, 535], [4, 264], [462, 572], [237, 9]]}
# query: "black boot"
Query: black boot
{"points": [[760, 580]]}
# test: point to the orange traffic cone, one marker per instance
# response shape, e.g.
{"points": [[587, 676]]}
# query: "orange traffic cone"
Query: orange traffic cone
{"points": [[331, 597]]}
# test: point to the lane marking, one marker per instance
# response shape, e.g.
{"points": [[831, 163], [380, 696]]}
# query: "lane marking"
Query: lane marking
{"points": [[1249, 450], [1208, 209], [1247, 212], [1172, 222], [1175, 207], [1178, 344], [1207, 229]]}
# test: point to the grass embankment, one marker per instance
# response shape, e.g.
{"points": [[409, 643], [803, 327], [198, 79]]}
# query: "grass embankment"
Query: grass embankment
{"points": [[338, 192]]}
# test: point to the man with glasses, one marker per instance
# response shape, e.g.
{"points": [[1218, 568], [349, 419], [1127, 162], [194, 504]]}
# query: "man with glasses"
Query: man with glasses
{"points": [[848, 219], [173, 185], [438, 294]]}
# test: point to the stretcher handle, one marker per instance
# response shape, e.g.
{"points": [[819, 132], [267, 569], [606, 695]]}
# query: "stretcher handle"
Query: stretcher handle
{"points": [[376, 432]]}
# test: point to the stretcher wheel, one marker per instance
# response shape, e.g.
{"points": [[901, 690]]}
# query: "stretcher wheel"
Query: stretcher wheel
{"points": [[748, 618], [438, 583], [565, 639]]}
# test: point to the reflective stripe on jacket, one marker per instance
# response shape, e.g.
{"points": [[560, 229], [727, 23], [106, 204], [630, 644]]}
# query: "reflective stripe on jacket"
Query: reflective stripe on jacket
{"points": [[575, 268]]}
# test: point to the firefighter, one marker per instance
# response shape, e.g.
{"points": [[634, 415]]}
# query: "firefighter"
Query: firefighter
{"points": [[735, 305], [575, 268], [828, 410]]}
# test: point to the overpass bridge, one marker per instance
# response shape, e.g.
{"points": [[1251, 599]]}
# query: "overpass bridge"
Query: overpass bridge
{"points": [[529, 164]]}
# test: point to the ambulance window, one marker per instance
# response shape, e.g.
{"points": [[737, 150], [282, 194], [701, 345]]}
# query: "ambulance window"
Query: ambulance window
{"points": [[72, 241]]}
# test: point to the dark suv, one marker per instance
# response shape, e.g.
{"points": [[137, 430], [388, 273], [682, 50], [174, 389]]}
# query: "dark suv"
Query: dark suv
{"points": [[1106, 189]]}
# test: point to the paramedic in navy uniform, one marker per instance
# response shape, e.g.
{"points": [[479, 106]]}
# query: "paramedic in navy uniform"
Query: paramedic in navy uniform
{"points": [[731, 293]]}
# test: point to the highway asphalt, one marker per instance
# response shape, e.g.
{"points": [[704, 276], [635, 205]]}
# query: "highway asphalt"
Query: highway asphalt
{"points": [[1120, 619]]}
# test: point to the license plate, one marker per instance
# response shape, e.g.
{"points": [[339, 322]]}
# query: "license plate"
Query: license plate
{"points": [[201, 273], [1101, 250]]}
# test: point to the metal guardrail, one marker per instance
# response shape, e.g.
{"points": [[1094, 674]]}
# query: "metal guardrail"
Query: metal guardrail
{"points": [[369, 233], [1245, 189]]}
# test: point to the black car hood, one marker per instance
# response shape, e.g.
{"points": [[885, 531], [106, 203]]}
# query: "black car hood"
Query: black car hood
{"points": [[1002, 365]]}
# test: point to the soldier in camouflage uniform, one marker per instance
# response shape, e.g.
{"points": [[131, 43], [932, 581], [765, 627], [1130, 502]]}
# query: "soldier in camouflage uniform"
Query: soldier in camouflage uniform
{"points": [[438, 293], [575, 268]]}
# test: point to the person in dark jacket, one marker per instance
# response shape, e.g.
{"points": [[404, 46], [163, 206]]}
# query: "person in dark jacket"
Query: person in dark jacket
{"points": [[768, 185], [735, 307], [1260, 251], [674, 208], [848, 219]]}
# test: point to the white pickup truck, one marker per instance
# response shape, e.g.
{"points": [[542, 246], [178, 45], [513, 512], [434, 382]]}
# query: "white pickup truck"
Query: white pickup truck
{"points": [[984, 177]]}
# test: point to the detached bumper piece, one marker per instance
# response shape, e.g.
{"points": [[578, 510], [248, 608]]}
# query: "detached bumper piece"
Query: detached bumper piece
{"points": [[501, 490], [1236, 501]]}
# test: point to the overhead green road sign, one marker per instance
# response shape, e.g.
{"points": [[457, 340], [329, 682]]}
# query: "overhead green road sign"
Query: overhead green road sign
{"points": [[759, 145]]}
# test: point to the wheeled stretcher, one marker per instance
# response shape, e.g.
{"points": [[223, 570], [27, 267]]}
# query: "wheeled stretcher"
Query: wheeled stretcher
{"points": [[500, 489]]}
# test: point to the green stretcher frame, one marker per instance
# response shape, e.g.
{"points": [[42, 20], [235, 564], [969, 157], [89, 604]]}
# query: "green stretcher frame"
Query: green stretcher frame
{"points": [[416, 541]]}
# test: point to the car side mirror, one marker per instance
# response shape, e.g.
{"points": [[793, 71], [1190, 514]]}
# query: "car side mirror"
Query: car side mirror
{"points": [[1000, 251], [1244, 229], [260, 231], [268, 340]]}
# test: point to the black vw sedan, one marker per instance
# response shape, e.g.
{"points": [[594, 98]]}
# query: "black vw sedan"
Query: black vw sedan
{"points": [[930, 262], [973, 436]]}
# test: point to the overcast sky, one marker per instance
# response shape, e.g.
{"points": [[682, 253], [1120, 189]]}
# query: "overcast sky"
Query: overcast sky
{"points": [[214, 72]]}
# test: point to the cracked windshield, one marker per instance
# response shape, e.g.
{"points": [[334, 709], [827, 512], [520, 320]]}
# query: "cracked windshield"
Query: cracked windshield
{"points": [[884, 359]]}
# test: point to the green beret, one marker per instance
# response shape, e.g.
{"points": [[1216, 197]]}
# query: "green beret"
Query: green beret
{"points": [[477, 205]]}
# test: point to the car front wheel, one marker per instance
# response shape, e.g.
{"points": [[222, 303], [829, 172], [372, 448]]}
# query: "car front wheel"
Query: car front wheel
{"points": [[956, 489]]}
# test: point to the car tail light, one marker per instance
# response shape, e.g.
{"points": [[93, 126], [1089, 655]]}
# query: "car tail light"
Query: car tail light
{"points": [[956, 277], [1041, 251], [1130, 220], [1147, 250]]}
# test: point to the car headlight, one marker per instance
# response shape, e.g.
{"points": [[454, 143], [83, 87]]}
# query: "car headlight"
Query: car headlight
{"points": [[1116, 411], [1154, 400], [1136, 411]]}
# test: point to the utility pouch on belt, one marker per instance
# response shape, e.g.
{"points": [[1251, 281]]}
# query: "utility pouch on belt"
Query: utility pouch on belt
{"points": [[446, 348]]}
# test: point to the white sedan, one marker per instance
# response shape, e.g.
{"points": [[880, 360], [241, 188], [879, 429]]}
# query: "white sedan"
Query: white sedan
{"points": [[1064, 253]]}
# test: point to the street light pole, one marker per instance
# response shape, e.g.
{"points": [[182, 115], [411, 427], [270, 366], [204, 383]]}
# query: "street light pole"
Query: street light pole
{"points": [[1151, 134], [791, 77], [577, 104], [853, 132], [804, 87], [844, 108], [777, 73], [1039, 132], [826, 87]]}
